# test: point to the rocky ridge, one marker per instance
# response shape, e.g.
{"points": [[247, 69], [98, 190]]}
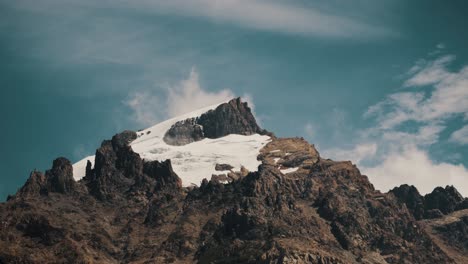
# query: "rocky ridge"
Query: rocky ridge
{"points": [[236, 117], [296, 208]]}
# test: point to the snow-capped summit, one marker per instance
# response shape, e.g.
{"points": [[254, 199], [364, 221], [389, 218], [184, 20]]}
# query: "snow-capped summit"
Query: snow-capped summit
{"points": [[196, 142]]}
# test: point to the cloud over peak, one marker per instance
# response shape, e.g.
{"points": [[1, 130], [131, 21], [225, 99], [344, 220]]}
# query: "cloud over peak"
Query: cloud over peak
{"points": [[148, 106], [188, 95]]}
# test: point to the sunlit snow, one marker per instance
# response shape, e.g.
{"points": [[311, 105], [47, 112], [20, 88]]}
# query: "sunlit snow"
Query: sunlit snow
{"points": [[289, 170], [195, 161]]}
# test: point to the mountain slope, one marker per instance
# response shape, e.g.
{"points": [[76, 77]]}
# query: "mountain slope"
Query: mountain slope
{"points": [[296, 207]]}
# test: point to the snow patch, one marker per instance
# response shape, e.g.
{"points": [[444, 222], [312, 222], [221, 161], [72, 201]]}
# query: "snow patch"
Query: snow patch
{"points": [[195, 161], [276, 160], [289, 170], [79, 168], [225, 172]]}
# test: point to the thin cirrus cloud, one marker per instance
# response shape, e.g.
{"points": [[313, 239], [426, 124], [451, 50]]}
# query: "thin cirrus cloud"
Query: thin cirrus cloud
{"points": [[277, 16], [284, 17], [86, 31]]}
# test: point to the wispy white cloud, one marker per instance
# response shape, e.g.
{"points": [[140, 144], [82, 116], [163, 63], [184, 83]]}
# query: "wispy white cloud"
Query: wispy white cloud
{"points": [[279, 16], [357, 154], [146, 107], [446, 96], [395, 149], [460, 136], [266, 15], [440, 46], [433, 72], [414, 166], [149, 106], [188, 95], [309, 130]]}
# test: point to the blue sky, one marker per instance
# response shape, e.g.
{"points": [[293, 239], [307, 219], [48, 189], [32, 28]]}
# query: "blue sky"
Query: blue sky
{"points": [[382, 83]]}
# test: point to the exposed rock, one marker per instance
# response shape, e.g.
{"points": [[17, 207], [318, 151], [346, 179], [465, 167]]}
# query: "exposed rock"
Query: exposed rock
{"points": [[433, 213], [433, 205], [410, 196], [450, 233], [462, 205], [446, 200], [34, 186], [243, 171], [234, 117], [37, 226], [290, 153], [221, 178], [127, 210], [223, 167], [122, 139], [163, 174], [118, 170], [184, 132], [60, 177]]}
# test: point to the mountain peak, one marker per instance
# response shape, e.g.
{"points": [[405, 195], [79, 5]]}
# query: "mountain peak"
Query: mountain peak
{"points": [[233, 117], [255, 198], [225, 133]]}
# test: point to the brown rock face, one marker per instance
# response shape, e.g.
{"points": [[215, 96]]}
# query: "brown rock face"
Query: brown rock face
{"points": [[119, 170], [440, 202], [60, 177], [450, 233], [297, 208], [324, 212], [184, 132], [235, 117], [410, 196]]}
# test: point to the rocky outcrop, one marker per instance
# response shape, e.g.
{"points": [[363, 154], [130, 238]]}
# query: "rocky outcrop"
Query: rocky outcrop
{"points": [[34, 186], [450, 233], [119, 170], [184, 132], [233, 117], [163, 175], [410, 196], [446, 200], [223, 167], [441, 201], [59, 179]]}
